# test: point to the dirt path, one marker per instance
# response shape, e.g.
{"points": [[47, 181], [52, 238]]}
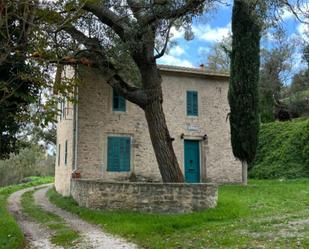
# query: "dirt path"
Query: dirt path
{"points": [[37, 236], [92, 235]]}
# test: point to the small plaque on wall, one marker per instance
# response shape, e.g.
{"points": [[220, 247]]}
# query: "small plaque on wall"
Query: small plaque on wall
{"points": [[193, 128]]}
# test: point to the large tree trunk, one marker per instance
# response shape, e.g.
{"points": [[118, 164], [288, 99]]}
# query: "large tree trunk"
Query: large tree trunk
{"points": [[162, 143], [244, 173], [159, 134]]}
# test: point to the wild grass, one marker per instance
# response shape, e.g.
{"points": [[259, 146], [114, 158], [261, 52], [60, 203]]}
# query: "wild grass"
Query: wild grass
{"points": [[63, 234], [11, 236], [256, 216]]}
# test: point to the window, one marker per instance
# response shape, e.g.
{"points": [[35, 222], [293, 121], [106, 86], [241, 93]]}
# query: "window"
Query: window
{"points": [[118, 154], [59, 154], [119, 102], [66, 152], [192, 103], [61, 107]]}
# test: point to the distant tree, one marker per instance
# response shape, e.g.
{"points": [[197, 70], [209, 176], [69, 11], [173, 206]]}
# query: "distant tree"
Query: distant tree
{"points": [[276, 65], [218, 59], [243, 91], [300, 82], [298, 98]]}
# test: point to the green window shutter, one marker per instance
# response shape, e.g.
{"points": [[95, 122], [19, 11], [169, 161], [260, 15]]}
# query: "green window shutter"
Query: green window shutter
{"points": [[119, 102], [60, 114], [59, 150], [118, 154], [192, 103]]}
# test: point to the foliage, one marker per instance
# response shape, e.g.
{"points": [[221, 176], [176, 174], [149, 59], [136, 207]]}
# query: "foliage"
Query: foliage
{"points": [[275, 67], [218, 59], [246, 217], [243, 90], [297, 99], [31, 161], [283, 150], [21, 93], [11, 236], [63, 235], [21, 79]]}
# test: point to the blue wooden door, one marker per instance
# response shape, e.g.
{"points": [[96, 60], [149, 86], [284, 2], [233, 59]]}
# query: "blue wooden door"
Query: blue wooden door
{"points": [[192, 161]]}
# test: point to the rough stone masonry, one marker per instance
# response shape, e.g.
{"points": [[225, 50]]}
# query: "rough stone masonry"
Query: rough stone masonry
{"points": [[145, 197]]}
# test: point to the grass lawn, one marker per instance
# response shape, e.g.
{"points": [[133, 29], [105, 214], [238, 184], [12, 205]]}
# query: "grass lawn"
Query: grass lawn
{"points": [[265, 214], [63, 234], [10, 233]]}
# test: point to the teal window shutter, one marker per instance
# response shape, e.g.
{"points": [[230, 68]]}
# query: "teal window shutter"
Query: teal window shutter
{"points": [[59, 150], [119, 102], [192, 103], [118, 154]]}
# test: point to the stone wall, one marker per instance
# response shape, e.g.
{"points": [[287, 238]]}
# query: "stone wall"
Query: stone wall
{"points": [[65, 130], [97, 121], [144, 197]]}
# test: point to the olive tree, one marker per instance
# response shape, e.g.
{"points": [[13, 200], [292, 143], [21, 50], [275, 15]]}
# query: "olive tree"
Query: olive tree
{"points": [[123, 40]]}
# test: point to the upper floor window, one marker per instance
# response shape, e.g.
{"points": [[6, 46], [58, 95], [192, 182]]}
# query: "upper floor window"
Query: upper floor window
{"points": [[59, 150], [66, 152], [63, 109], [192, 103], [119, 102]]}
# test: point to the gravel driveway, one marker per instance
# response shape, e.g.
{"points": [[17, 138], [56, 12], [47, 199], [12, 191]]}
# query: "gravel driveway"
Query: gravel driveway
{"points": [[38, 236]]}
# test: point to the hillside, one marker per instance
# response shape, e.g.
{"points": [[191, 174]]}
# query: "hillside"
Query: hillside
{"points": [[283, 150]]}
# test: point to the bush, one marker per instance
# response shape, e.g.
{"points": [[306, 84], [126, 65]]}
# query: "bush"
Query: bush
{"points": [[283, 150], [30, 161]]}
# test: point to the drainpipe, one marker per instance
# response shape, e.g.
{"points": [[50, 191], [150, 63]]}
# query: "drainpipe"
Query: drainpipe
{"points": [[75, 130]]}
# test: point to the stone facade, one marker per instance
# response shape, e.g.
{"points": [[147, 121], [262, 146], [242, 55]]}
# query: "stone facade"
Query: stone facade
{"points": [[94, 120], [145, 197], [65, 134]]}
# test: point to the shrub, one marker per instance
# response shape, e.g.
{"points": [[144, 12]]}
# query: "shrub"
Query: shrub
{"points": [[30, 161], [283, 150]]}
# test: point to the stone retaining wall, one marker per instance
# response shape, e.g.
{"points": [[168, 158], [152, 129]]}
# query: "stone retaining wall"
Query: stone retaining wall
{"points": [[145, 197]]}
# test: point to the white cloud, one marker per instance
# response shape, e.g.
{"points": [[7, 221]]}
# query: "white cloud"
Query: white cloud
{"points": [[287, 14], [303, 31], [300, 10], [177, 33], [203, 50], [168, 59], [176, 51], [211, 34]]}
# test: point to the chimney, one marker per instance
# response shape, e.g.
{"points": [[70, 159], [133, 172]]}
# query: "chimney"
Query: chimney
{"points": [[202, 67]]}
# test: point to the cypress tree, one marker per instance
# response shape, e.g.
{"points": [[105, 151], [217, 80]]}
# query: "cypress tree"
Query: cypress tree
{"points": [[243, 90]]}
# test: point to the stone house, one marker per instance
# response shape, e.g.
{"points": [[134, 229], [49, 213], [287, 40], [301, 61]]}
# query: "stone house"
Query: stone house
{"points": [[106, 137]]}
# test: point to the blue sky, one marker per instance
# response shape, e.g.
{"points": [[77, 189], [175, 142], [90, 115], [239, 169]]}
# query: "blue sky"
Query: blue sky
{"points": [[212, 28]]}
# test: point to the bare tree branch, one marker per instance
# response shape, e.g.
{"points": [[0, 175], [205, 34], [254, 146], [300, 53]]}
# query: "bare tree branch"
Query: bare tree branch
{"points": [[160, 54], [133, 94]]}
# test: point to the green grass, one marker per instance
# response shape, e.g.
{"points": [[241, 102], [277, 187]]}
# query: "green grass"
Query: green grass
{"points": [[282, 151], [63, 235], [10, 233], [246, 217]]}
